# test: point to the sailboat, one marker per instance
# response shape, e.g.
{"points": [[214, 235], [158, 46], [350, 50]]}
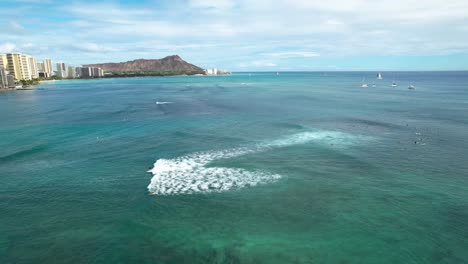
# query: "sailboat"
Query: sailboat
{"points": [[379, 76]]}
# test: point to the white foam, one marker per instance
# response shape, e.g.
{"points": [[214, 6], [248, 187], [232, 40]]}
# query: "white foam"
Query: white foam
{"points": [[190, 174], [161, 103]]}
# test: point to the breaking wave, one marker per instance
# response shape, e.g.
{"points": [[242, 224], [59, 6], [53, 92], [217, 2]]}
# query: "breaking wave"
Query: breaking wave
{"points": [[190, 174]]}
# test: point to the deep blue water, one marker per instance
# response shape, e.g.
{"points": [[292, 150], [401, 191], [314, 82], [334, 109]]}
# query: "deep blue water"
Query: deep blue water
{"points": [[251, 168]]}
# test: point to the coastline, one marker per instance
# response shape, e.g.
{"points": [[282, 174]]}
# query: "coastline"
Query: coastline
{"points": [[29, 86]]}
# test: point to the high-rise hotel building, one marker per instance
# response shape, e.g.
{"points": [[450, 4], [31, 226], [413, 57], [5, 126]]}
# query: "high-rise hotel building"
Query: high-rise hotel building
{"points": [[44, 69], [40, 67], [32, 65], [48, 66], [20, 66], [3, 61], [61, 70], [15, 65], [3, 78]]}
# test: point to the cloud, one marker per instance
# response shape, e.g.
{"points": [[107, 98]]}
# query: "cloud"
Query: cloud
{"points": [[219, 5], [35, 1], [104, 11], [257, 64], [7, 47], [293, 54], [241, 33], [16, 26], [336, 25], [28, 45], [12, 28], [93, 47], [333, 22]]}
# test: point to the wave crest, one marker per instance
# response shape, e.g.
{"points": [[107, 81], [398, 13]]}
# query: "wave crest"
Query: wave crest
{"points": [[189, 174]]}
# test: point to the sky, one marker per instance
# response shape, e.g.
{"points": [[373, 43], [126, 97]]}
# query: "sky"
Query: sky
{"points": [[244, 35]]}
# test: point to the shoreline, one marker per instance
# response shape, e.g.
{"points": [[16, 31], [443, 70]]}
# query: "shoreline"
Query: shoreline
{"points": [[30, 86]]}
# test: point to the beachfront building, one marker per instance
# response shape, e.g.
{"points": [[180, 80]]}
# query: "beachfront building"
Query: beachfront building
{"points": [[78, 72], [48, 66], [71, 72], [3, 72], [25, 67], [3, 61], [11, 81], [84, 72], [215, 71], [41, 72], [40, 66], [89, 72], [3, 78], [32, 66], [20, 66], [61, 74], [61, 70], [97, 72], [14, 65], [61, 66]]}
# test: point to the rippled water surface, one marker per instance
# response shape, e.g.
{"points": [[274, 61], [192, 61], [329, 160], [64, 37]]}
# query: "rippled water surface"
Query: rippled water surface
{"points": [[247, 168]]}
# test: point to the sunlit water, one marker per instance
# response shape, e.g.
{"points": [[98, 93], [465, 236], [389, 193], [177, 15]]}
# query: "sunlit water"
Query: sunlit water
{"points": [[247, 168]]}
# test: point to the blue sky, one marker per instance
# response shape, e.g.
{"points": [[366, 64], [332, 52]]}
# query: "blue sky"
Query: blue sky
{"points": [[244, 35]]}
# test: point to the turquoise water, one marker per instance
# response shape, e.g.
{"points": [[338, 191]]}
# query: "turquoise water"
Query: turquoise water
{"points": [[247, 168]]}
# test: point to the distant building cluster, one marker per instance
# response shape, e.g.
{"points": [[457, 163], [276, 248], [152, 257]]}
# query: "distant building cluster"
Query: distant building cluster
{"points": [[16, 67], [215, 71], [89, 72], [72, 72]]}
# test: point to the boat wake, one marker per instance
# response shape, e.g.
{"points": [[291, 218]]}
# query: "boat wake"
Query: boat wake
{"points": [[162, 103], [191, 174]]}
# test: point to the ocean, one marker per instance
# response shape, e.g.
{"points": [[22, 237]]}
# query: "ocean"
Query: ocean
{"points": [[300, 167]]}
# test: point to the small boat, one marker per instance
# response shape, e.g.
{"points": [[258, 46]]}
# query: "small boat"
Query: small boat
{"points": [[374, 85], [394, 84], [411, 87], [364, 84], [379, 76]]}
